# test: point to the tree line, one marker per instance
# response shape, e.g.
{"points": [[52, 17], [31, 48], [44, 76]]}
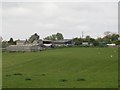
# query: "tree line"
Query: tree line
{"points": [[109, 38]]}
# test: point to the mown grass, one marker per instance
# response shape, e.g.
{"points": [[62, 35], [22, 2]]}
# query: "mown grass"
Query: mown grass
{"points": [[61, 68]]}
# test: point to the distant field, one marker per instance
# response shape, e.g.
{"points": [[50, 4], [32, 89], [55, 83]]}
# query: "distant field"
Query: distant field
{"points": [[61, 68]]}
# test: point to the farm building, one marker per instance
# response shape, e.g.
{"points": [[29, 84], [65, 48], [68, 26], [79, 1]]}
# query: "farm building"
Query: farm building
{"points": [[21, 42], [65, 42], [37, 42], [47, 43], [23, 45], [24, 48], [38, 45], [111, 45], [58, 43], [87, 44], [102, 44]]}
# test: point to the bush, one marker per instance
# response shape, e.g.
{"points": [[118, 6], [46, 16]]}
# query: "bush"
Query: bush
{"points": [[63, 80], [28, 79], [80, 79]]}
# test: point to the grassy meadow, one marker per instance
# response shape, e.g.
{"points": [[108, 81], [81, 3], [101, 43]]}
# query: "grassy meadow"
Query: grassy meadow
{"points": [[61, 68]]}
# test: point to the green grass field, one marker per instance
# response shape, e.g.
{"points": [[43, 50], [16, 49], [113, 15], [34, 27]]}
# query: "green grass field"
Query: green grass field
{"points": [[61, 68]]}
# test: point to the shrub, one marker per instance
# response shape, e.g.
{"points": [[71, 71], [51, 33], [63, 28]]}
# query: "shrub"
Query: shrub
{"points": [[28, 79], [80, 79], [63, 80]]}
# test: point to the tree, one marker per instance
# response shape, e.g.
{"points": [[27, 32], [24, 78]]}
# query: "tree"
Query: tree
{"points": [[117, 42], [11, 41], [4, 44], [92, 40], [114, 37], [77, 41], [88, 38], [33, 38], [107, 33], [111, 37], [95, 43], [99, 39], [47, 38], [54, 37], [59, 36], [1, 39]]}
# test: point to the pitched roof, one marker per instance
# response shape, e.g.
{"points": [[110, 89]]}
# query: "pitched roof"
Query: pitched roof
{"points": [[62, 41]]}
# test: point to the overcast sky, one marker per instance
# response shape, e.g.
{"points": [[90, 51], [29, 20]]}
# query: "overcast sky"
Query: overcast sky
{"points": [[21, 20]]}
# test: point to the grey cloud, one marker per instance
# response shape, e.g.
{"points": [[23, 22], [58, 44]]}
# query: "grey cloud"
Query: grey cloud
{"points": [[20, 20]]}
